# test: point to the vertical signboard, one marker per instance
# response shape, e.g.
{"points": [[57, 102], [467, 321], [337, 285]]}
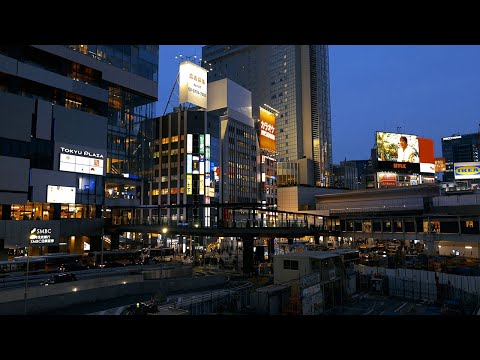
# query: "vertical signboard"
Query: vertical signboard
{"points": [[267, 130], [201, 142], [189, 163], [201, 187], [189, 184], [189, 143]]}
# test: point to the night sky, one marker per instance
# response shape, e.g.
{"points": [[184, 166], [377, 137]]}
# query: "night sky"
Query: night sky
{"points": [[430, 91]]}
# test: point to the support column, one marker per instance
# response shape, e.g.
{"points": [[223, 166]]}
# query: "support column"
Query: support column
{"points": [[115, 241], [317, 239], [430, 245], [6, 212], [95, 243], [248, 267], [290, 243], [271, 248]]}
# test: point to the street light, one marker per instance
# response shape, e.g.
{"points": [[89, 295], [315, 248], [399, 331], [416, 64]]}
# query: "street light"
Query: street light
{"points": [[27, 250], [164, 232]]}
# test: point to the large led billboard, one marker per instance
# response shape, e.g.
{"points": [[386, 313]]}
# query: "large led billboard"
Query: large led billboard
{"points": [[397, 147], [397, 151], [466, 170], [267, 130], [60, 194], [193, 84]]}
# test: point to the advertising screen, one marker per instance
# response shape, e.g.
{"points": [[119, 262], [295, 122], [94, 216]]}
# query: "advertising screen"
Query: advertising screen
{"points": [[267, 130], [60, 194], [395, 147]]}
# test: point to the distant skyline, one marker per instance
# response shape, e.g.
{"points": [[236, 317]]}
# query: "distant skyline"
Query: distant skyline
{"points": [[429, 91]]}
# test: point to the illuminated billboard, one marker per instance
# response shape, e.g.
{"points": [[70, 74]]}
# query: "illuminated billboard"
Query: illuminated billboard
{"points": [[60, 194], [395, 147], [267, 130], [386, 179], [193, 84], [427, 157], [440, 164], [466, 170]]}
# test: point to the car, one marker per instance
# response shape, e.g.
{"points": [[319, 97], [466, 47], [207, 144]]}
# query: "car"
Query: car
{"points": [[140, 308], [59, 278]]}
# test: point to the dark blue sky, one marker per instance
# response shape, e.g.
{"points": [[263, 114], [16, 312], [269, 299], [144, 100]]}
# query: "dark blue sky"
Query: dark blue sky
{"points": [[430, 91]]}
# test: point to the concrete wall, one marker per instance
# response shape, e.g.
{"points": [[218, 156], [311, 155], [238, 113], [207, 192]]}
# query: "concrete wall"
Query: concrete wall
{"points": [[78, 127], [44, 119], [43, 299], [16, 110], [14, 178]]}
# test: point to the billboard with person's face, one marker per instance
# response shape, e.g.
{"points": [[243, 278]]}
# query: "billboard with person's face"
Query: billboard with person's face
{"points": [[397, 151]]}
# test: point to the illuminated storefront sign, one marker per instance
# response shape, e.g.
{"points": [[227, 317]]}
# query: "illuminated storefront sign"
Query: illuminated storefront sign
{"points": [[193, 84], [387, 179], [40, 236]]}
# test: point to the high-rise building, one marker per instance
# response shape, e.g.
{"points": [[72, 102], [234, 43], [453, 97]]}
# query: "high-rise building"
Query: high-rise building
{"points": [[293, 79], [459, 148], [73, 141]]}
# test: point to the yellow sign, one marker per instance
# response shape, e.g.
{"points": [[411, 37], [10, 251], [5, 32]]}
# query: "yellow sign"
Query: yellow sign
{"points": [[189, 184], [267, 130], [201, 189]]}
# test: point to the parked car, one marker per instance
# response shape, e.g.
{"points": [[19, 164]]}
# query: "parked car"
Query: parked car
{"points": [[59, 278]]}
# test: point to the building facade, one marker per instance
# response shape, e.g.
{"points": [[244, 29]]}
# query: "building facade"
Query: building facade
{"points": [[74, 138], [293, 79], [459, 148]]}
